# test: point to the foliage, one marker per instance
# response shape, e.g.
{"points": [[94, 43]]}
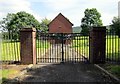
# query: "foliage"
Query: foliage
{"points": [[91, 18], [14, 22], [44, 25], [115, 26]]}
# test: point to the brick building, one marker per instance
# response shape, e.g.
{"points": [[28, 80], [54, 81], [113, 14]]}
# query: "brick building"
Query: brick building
{"points": [[60, 24]]}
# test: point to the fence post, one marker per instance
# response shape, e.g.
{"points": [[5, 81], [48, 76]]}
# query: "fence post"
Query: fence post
{"points": [[28, 45], [97, 44]]}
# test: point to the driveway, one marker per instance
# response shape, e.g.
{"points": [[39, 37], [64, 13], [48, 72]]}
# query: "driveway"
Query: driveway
{"points": [[54, 54], [67, 72]]}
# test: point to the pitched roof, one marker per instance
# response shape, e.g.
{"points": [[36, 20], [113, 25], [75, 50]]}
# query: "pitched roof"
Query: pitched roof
{"points": [[63, 17]]}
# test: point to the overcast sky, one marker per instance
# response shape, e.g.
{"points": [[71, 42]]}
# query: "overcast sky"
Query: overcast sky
{"points": [[72, 9]]}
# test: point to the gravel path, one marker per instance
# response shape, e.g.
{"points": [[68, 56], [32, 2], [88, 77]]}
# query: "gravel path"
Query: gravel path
{"points": [[67, 72]]}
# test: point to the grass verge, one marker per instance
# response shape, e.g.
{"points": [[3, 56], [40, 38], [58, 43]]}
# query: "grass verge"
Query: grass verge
{"points": [[112, 68], [8, 74]]}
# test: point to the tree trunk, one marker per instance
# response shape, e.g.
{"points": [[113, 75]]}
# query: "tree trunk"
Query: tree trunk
{"points": [[9, 34]]}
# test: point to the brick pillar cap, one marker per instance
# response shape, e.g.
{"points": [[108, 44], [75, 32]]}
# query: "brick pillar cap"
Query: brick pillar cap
{"points": [[28, 29], [99, 28]]}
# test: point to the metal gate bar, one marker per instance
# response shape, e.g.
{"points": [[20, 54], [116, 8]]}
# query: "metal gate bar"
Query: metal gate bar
{"points": [[62, 47]]}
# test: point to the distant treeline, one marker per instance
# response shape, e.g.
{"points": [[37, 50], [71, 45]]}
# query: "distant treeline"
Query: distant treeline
{"points": [[77, 29]]}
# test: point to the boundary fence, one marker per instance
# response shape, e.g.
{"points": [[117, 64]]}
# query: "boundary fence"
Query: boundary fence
{"points": [[112, 47], [10, 48], [10, 51]]}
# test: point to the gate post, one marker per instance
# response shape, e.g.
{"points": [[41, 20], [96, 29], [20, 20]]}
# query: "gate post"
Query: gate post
{"points": [[28, 45], [62, 38], [97, 44]]}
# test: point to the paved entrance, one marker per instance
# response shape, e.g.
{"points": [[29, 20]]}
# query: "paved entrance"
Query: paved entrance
{"points": [[67, 72], [54, 54]]}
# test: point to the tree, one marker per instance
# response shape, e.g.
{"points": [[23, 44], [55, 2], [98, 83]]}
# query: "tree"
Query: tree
{"points": [[115, 26], [4, 25], [44, 25], [14, 22], [91, 18]]}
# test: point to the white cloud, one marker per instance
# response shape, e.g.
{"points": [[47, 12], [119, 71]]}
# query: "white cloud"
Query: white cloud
{"points": [[74, 9], [13, 6], [60, 4]]}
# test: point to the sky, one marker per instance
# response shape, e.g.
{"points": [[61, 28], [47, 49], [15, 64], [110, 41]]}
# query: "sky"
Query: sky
{"points": [[71, 9]]}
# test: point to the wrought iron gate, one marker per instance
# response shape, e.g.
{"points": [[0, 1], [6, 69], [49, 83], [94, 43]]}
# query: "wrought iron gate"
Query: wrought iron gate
{"points": [[62, 47]]}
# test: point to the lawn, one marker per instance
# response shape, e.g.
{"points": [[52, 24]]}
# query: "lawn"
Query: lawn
{"points": [[42, 46], [10, 51], [82, 44], [9, 72], [112, 47]]}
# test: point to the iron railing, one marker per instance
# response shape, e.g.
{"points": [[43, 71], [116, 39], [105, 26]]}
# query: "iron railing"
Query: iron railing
{"points": [[112, 47], [62, 47], [10, 48], [58, 47]]}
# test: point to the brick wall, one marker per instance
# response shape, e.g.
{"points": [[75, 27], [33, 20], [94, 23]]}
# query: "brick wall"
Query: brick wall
{"points": [[60, 25]]}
